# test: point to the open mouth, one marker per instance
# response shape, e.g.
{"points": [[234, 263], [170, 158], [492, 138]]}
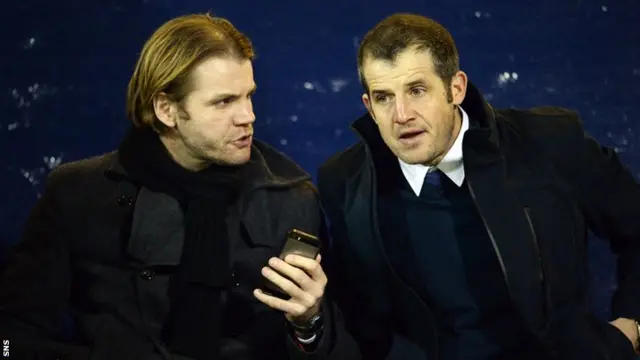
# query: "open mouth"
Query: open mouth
{"points": [[410, 134], [243, 142]]}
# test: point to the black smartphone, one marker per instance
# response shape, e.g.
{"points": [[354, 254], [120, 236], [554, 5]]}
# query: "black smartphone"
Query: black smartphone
{"points": [[297, 243]]}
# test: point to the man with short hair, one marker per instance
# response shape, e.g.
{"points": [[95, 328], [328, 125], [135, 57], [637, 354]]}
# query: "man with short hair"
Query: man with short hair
{"points": [[459, 230], [158, 249]]}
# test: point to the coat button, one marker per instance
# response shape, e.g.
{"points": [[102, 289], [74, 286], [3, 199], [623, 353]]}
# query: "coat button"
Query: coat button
{"points": [[147, 274]]}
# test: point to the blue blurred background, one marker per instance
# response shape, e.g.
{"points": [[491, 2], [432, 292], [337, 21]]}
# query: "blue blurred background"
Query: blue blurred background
{"points": [[65, 64]]}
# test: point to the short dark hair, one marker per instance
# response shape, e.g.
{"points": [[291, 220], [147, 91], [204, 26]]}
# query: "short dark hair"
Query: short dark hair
{"points": [[401, 31]]}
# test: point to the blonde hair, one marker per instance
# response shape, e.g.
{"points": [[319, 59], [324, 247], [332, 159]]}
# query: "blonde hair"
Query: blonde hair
{"points": [[170, 54]]}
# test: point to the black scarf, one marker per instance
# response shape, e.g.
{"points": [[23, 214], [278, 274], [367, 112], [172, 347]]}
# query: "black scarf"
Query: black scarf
{"points": [[194, 325]]}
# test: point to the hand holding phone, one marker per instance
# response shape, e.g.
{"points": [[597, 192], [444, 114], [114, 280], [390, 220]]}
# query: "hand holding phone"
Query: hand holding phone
{"points": [[295, 280], [298, 243]]}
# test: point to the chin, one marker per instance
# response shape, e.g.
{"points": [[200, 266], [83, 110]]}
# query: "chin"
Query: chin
{"points": [[413, 156], [239, 158], [413, 159]]}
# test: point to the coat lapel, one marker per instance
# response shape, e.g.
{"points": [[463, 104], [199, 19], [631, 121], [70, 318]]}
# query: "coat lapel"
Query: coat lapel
{"points": [[157, 231], [156, 234]]}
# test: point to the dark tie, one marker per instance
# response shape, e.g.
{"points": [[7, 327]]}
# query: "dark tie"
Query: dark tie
{"points": [[432, 181], [433, 177]]}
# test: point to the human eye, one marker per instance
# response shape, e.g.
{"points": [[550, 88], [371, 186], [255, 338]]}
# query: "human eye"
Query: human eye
{"points": [[417, 91], [225, 101], [381, 98]]}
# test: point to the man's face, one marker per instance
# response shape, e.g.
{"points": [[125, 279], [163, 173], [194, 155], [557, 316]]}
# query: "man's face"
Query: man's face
{"points": [[414, 110], [215, 124]]}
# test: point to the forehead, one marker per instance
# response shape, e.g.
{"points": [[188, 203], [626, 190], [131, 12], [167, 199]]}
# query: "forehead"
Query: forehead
{"points": [[223, 74], [409, 65]]}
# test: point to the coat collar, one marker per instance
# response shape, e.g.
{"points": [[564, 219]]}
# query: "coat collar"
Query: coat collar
{"points": [[267, 167]]}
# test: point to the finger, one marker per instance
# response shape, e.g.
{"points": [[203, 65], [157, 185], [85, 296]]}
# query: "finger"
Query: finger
{"points": [[312, 267], [297, 294], [273, 302], [296, 274]]}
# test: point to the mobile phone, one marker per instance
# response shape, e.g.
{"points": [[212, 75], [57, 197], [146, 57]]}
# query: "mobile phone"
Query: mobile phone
{"points": [[297, 243]]}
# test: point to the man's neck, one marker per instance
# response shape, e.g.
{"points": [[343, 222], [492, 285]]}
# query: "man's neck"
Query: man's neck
{"points": [[181, 154]]}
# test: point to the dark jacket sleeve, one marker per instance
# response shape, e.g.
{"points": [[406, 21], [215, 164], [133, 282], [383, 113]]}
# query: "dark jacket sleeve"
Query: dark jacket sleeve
{"points": [[610, 200], [612, 208], [335, 343], [609, 196], [35, 284]]}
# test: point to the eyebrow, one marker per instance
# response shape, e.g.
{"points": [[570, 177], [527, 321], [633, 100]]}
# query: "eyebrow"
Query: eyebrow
{"points": [[407, 85], [222, 96], [415, 82]]}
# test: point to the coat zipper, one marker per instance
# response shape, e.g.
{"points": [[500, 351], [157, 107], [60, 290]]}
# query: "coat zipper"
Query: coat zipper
{"points": [[541, 271]]}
